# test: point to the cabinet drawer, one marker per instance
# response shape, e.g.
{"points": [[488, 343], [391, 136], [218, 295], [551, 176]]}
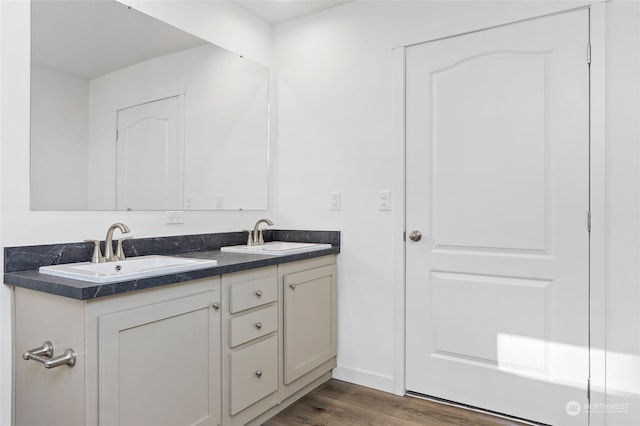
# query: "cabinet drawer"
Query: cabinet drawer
{"points": [[247, 327], [254, 374], [249, 294]]}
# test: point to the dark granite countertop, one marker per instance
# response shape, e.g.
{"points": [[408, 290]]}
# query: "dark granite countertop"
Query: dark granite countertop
{"points": [[21, 263]]}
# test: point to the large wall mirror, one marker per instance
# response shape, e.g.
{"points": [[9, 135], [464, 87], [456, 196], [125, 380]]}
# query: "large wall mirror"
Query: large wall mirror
{"points": [[130, 113]]}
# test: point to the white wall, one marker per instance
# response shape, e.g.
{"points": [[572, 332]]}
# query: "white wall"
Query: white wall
{"points": [[59, 106], [623, 212]]}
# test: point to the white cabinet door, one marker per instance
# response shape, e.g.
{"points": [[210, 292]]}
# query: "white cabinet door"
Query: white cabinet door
{"points": [[159, 364], [498, 184], [310, 332]]}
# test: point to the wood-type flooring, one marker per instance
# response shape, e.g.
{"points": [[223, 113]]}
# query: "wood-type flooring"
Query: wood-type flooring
{"points": [[337, 403]]}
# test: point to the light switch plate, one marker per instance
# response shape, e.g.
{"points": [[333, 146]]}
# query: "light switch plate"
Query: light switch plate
{"points": [[334, 200], [384, 200]]}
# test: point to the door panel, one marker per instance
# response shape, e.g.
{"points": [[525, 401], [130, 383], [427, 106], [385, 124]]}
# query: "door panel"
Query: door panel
{"points": [[470, 331], [468, 166], [497, 155], [150, 156]]}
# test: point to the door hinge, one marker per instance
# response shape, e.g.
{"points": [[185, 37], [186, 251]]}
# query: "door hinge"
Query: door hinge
{"points": [[589, 53], [404, 235], [116, 135], [589, 221], [589, 389]]}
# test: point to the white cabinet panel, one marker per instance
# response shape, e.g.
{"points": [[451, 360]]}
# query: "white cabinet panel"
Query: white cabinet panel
{"points": [[156, 363], [310, 320]]}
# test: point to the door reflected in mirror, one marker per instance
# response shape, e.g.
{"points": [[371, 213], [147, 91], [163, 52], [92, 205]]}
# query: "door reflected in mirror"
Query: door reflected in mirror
{"points": [[130, 113]]}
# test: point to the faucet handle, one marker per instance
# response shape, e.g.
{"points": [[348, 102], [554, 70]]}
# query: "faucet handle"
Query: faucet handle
{"points": [[249, 237], [97, 255], [119, 251]]}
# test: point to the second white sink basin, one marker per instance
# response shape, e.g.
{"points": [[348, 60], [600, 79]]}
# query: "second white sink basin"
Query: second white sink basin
{"points": [[277, 248], [128, 269]]}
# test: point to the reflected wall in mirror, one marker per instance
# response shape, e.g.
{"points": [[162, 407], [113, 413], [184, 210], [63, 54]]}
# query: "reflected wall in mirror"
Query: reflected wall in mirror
{"points": [[130, 113]]}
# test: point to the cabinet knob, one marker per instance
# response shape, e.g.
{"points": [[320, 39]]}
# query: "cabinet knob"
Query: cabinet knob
{"points": [[293, 286], [259, 373], [215, 305], [258, 325], [259, 293]]}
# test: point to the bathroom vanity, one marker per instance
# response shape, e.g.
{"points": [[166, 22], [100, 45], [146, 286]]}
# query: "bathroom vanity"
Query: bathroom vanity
{"points": [[229, 345]]}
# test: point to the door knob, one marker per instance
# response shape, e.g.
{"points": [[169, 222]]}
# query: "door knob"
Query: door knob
{"points": [[415, 235]]}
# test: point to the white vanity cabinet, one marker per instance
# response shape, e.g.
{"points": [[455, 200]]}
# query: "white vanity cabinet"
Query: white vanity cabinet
{"points": [[151, 357], [227, 350]]}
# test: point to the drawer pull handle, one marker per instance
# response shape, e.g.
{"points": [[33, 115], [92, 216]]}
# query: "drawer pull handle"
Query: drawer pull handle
{"points": [[44, 355], [258, 325], [259, 373], [259, 293]]}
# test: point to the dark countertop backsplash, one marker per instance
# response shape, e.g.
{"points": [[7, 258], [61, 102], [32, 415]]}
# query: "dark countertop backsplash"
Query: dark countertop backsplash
{"points": [[26, 258], [22, 263]]}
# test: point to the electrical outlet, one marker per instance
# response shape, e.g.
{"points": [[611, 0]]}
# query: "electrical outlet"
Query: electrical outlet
{"points": [[174, 217], [384, 200], [334, 200]]}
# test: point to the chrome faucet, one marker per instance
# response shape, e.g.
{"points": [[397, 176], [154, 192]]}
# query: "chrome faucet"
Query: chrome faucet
{"points": [[108, 243], [255, 236]]}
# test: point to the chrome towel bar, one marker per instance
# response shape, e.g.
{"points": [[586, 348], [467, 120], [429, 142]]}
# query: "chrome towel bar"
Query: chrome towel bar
{"points": [[44, 355]]}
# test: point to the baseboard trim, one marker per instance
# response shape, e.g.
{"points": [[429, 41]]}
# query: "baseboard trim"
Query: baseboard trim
{"points": [[364, 378]]}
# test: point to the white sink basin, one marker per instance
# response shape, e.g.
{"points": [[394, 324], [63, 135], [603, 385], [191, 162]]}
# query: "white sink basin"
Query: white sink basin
{"points": [[277, 248], [128, 269]]}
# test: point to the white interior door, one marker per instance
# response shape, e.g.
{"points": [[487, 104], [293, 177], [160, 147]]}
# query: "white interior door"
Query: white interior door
{"points": [[497, 151], [150, 156]]}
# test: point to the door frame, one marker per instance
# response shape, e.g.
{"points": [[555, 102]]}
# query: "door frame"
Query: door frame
{"points": [[597, 350]]}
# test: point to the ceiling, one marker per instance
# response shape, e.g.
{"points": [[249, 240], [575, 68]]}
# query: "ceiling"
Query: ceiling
{"points": [[92, 49], [92, 38], [279, 11]]}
